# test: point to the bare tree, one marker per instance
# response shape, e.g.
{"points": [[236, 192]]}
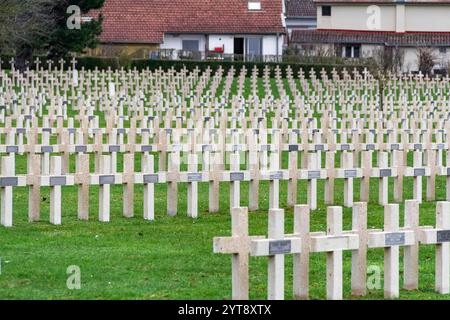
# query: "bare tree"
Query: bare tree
{"points": [[389, 59], [427, 60], [24, 24]]}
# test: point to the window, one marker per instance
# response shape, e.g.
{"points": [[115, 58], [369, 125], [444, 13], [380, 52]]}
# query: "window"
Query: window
{"points": [[356, 51], [351, 51], [326, 11], [190, 45], [254, 5], [254, 47], [442, 50]]}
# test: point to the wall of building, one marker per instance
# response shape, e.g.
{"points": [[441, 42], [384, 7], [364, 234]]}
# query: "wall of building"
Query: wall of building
{"points": [[225, 41], [270, 45], [370, 50], [355, 17], [398, 18], [212, 41], [299, 23], [176, 41], [428, 18]]}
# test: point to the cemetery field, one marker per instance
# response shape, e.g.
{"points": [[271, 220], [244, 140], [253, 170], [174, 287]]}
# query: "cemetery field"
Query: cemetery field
{"points": [[77, 144], [171, 257]]}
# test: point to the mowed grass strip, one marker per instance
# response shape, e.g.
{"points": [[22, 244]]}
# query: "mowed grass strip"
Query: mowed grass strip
{"points": [[172, 257]]}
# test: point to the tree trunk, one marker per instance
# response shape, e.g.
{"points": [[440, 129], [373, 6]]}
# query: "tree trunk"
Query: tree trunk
{"points": [[24, 57]]}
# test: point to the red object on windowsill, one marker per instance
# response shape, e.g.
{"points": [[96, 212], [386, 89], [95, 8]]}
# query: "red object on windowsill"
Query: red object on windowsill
{"points": [[218, 49]]}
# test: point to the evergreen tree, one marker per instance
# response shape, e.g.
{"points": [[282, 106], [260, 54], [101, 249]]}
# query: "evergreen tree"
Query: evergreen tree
{"points": [[64, 40]]}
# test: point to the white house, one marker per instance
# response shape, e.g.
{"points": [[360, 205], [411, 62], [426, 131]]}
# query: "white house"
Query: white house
{"points": [[300, 14], [361, 28], [219, 29]]}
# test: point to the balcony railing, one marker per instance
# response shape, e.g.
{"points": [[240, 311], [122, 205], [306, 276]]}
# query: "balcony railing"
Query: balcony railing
{"points": [[170, 54]]}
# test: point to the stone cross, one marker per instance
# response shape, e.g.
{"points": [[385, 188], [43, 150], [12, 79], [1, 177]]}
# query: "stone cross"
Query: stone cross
{"points": [[37, 62], [301, 261], [238, 245], [349, 174], [193, 179], [275, 247], [8, 172], [214, 183], [82, 179], [312, 183], [12, 63], [172, 186], [34, 191], [440, 236], [293, 170], [398, 164], [253, 167], [235, 185], [333, 243], [391, 239], [73, 62], [383, 198], [366, 166], [329, 183], [55, 190], [359, 256], [128, 187], [104, 192], [149, 188], [274, 182]]}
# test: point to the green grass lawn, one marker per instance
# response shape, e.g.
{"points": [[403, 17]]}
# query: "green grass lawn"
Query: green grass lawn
{"points": [[172, 257]]}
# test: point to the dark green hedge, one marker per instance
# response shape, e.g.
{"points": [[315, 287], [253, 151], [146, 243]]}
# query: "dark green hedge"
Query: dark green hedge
{"points": [[90, 63], [226, 65]]}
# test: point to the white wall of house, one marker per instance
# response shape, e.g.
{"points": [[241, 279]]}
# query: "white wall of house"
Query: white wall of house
{"points": [[355, 17], [370, 50], [398, 18], [411, 62], [225, 41], [176, 41], [269, 42], [442, 57], [270, 45], [428, 18], [411, 58]]}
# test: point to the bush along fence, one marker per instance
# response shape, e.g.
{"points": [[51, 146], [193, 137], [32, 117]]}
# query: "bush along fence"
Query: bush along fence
{"points": [[115, 63]]}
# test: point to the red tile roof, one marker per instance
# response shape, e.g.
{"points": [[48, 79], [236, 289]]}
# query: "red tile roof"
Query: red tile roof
{"points": [[408, 39], [300, 8], [146, 21], [383, 1]]}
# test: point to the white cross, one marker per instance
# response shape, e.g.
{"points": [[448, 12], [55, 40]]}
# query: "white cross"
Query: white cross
{"points": [[440, 236], [37, 62], [8, 170], [275, 247], [73, 62], [390, 239], [238, 245], [333, 243]]}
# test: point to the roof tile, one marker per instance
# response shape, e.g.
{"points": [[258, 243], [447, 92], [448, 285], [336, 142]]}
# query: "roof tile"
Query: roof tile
{"points": [[146, 21]]}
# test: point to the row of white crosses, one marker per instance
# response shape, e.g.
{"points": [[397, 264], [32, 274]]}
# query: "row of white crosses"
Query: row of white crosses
{"points": [[302, 243], [213, 172], [109, 76]]}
